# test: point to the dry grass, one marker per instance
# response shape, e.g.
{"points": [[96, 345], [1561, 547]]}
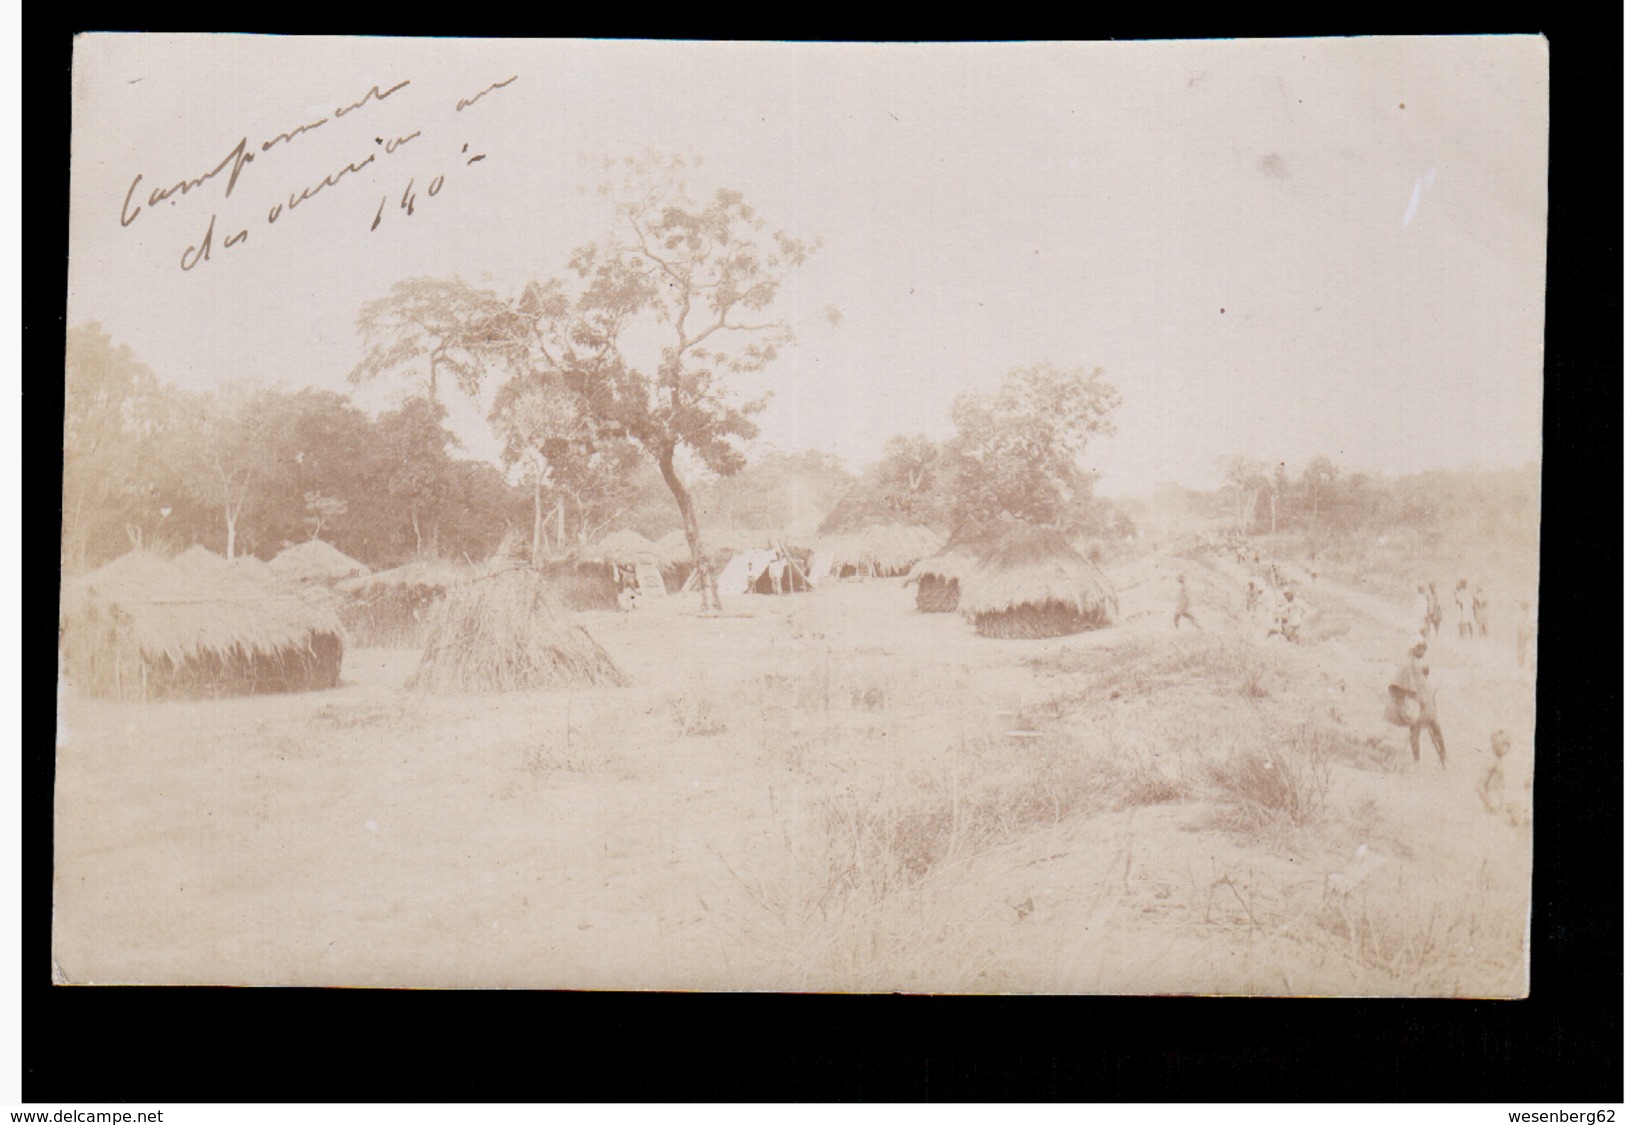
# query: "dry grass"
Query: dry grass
{"points": [[1285, 782], [859, 888]]}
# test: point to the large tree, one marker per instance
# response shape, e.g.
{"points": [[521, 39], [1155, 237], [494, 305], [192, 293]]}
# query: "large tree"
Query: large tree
{"points": [[647, 326], [1018, 450]]}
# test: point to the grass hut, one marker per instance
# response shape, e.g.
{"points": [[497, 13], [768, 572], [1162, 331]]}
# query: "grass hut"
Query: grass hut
{"points": [[625, 547], [315, 561], [937, 578], [143, 628], [582, 583], [863, 536], [506, 630], [1032, 583], [252, 567], [392, 608], [199, 557]]}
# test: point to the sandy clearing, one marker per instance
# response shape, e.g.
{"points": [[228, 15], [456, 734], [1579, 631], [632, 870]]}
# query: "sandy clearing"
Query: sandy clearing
{"points": [[821, 791]]}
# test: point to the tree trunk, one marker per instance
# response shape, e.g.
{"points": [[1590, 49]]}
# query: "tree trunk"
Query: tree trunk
{"points": [[231, 534], [1273, 497], [417, 531], [536, 526], [691, 530]]}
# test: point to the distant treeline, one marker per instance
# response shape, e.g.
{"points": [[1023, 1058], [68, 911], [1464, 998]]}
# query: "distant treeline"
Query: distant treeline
{"points": [[1323, 501]]}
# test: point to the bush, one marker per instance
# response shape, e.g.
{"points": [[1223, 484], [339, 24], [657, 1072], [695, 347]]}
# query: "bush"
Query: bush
{"points": [[1287, 784]]}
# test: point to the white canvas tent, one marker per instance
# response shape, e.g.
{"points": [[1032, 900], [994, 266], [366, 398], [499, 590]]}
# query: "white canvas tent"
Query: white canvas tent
{"points": [[743, 570]]}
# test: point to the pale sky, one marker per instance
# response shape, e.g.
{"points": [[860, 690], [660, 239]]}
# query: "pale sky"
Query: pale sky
{"points": [[1277, 248]]}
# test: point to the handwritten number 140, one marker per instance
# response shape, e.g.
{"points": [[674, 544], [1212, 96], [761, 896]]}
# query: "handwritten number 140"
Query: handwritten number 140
{"points": [[409, 197]]}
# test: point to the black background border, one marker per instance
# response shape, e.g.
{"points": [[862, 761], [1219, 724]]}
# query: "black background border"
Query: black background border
{"points": [[1563, 1044]]}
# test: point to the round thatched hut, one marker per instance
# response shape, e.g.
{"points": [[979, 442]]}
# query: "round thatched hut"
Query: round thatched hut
{"points": [[862, 537], [315, 561], [1032, 583], [625, 546], [936, 579], [199, 557], [392, 608], [143, 628], [505, 630]]}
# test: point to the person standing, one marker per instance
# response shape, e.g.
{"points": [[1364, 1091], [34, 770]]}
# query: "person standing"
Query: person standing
{"points": [[1464, 611], [1481, 612], [1415, 697], [1526, 634], [1182, 605], [1422, 610], [1435, 610]]}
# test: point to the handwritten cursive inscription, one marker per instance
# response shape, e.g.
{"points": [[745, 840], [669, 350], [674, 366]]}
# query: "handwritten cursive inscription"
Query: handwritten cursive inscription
{"points": [[464, 103], [231, 230], [239, 158]]}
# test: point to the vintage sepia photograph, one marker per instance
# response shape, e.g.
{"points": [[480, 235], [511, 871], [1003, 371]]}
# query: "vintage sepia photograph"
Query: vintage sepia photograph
{"points": [[1053, 518]]}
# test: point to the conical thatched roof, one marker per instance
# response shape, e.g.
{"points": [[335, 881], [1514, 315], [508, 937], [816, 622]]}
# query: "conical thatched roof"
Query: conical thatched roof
{"points": [[315, 561], [1031, 582], [142, 626], [856, 511], [861, 525], [671, 549], [893, 548], [199, 557], [623, 546], [937, 578], [960, 555], [392, 608], [418, 572], [505, 631], [252, 566]]}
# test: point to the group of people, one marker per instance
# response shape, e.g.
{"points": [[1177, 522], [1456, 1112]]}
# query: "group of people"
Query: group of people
{"points": [[1472, 611], [1279, 603], [1285, 610]]}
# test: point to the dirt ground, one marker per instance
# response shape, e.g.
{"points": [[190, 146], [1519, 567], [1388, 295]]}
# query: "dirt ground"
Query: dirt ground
{"points": [[828, 791]]}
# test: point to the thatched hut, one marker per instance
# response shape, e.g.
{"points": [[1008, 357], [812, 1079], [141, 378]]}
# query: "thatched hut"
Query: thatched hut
{"points": [[392, 608], [143, 628], [937, 578], [252, 566], [315, 561], [199, 557], [585, 583], [505, 630], [1032, 583], [861, 536], [625, 547]]}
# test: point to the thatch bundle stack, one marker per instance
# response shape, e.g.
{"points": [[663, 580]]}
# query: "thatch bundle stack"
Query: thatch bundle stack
{"points": [[937, 578], [392, 608], [506, 631], [859, 528], [315, 561], [143, 628], [1033, 583]]}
